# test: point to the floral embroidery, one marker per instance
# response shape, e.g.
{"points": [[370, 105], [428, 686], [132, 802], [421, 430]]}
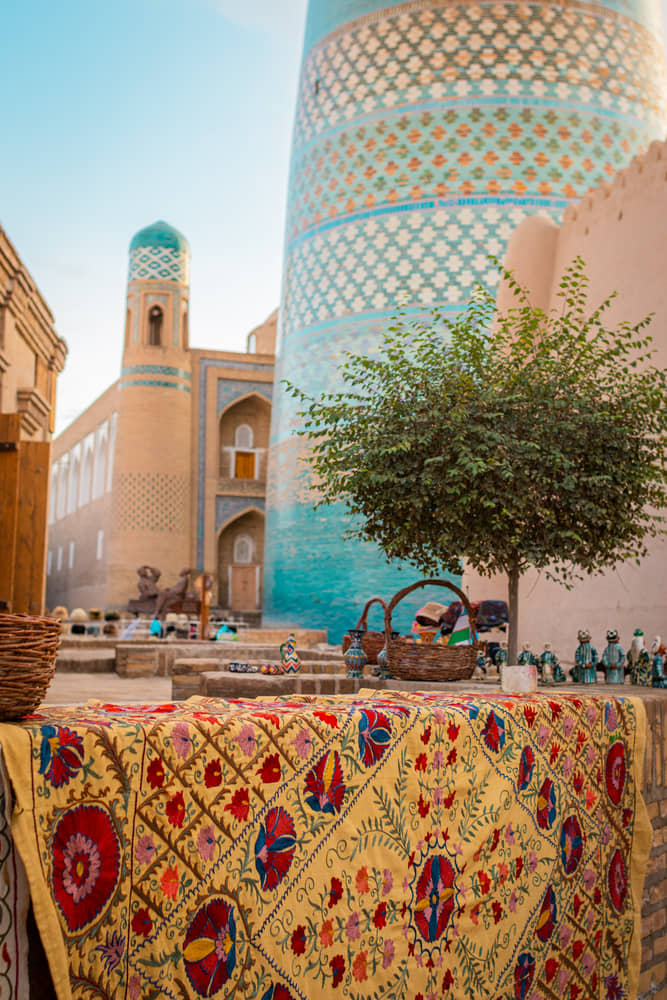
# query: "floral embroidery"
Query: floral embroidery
{"points": [[86, 864], [61, 754]]}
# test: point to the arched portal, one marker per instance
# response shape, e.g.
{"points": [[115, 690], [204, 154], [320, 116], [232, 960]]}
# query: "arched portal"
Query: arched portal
{"points": [[241, 562]]}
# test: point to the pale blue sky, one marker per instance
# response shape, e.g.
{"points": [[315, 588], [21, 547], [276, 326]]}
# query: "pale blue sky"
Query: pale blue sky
{"points": [[117, 114]]}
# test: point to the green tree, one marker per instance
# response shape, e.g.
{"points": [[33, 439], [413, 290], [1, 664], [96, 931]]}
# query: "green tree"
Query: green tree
{"points": [[515, 439]]}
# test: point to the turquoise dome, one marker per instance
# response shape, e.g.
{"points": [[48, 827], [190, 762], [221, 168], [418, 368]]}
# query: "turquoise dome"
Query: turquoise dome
{"points": [[160, 235]]}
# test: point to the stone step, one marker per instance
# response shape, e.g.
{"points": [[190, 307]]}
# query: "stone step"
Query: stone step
{"points": [[86, 661], [222, 684]]}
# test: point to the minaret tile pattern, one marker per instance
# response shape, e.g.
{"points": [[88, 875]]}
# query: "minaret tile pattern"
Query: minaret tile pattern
{"points": [[425, 131]]}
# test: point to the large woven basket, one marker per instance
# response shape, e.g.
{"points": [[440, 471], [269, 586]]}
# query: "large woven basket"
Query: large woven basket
{"points": [[371, 642], [411, 661], [28, 650]]}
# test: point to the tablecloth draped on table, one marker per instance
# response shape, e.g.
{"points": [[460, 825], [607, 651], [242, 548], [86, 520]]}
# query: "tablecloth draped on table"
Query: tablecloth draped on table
{"points": [[374, 846]]}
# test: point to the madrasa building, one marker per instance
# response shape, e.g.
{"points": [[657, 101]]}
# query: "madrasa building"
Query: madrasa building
{"points": [[428, 134], [167, 467]]}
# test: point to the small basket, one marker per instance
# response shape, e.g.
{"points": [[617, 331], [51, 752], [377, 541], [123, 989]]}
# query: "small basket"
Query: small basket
{"points": [[371, 642], [28, 650], [411, 661]]}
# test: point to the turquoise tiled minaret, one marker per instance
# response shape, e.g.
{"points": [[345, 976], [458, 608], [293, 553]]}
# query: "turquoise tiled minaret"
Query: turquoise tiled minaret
{"points": [[424, 132]]}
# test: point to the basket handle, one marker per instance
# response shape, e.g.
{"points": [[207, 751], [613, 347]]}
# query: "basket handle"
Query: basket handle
{"points": [[428, 583], [363, 621]]}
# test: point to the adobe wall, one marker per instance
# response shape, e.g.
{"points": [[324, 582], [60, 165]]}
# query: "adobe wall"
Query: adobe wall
{"points": [[619, 231]]}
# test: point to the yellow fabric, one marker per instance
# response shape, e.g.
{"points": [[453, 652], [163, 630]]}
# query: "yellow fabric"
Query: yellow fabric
{"points": [[373, 846]]}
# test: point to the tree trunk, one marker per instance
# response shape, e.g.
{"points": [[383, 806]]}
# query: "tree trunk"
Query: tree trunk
{"points": [[513, 607]]}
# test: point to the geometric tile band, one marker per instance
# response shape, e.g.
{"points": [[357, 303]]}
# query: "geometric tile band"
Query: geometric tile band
{"points": [[155, 383], [156, 370], [425, 131], [151, 502], [160, 264]]}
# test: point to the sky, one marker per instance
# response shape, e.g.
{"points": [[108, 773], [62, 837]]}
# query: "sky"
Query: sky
{"points": [[118, 114]]}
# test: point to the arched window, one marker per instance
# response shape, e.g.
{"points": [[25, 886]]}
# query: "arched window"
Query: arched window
{"points": [[243, 437], [155, 318], [243, 549]]}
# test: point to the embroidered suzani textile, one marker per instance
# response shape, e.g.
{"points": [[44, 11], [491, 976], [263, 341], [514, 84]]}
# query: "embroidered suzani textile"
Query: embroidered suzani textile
{"points": [[371, 846]]}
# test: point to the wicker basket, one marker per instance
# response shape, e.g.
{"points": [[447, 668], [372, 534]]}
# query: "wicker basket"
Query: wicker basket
{"points": [[28, 649], [411, 661], [371, 642]]}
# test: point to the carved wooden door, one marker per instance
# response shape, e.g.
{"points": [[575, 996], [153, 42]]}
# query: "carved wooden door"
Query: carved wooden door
{"points": [[244, 588]]}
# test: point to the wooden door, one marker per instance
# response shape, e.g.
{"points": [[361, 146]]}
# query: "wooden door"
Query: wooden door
{"points": [[244, 465], [244, 588]]}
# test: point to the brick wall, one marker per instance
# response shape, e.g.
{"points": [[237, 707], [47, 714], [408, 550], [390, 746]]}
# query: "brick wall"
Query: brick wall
{"points": [[653, 978]]}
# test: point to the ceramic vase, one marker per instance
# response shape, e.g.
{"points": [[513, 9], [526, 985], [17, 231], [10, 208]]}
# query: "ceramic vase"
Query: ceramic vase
{"points": [[354, 657]]}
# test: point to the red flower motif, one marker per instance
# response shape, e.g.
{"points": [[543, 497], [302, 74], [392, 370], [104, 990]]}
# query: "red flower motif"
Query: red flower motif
{"points": [[86, 863], [270, 717], [555, 750], [61, 754], [328, 717], [155, 774], [298, 940], [423, 806], [213, 773], [495, 838], [325, 785], [484, 881], [447, 980], [209, 947], [274, 848], [141, 922], [452, 731], [361, 879], [497, 911], [578, 781], [335, 892], [530, 714], [518, 867], [494, 732], [556, 709], [421, 762], [380, 916], [451, 757], [270, 771], [175, 809], [426, 735], [449, 799], [239, 807], [169, 882], [337, 965], [551, 968]]}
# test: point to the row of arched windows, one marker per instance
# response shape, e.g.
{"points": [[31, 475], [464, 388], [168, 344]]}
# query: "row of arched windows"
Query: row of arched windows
{"points": [[84, 472]]}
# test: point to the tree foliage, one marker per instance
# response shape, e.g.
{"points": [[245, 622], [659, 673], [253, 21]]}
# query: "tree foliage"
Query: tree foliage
{"points": [[516, 439]]}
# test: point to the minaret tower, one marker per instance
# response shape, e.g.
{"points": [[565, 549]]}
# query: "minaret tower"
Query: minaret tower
{"points": [[425, 131], [152, 491]]}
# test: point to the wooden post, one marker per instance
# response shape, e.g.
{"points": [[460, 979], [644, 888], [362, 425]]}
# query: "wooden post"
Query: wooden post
{"points": [[10, 433], [31, 531]]}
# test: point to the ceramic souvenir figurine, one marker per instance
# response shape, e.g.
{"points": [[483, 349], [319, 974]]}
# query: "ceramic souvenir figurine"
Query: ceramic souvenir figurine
{"points": [[289, 657], [585, 659], [639, 661], [526, 655], [500, 659], [657, 659], [549, 667], [613, 659]]}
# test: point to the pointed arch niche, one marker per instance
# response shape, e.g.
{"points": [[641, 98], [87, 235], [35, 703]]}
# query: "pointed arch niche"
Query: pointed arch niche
{"points": [[241, 562], [244, 438]]}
